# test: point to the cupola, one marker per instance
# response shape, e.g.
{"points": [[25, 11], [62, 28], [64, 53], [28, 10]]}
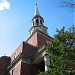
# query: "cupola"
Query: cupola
{"points": [[37, 22]]}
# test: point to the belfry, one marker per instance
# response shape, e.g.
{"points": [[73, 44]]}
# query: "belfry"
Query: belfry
{"points": [[30, 57], [38, 22]]}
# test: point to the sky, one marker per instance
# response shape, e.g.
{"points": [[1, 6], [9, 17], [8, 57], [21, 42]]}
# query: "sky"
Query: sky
{"points": [[16, 20]]}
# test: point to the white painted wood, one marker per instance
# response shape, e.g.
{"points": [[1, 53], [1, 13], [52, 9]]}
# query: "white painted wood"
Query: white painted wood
{"points": [[47, 62]]}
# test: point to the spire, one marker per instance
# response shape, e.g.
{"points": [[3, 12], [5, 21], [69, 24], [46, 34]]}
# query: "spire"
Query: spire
{"points": [[36, 11], [37, 22]]}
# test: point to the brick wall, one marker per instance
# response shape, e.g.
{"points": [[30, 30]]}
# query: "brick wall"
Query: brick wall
{"points": [[17, 52], [16, 70], [38, 39], [33, 40], [4, 62], [26, 69]]}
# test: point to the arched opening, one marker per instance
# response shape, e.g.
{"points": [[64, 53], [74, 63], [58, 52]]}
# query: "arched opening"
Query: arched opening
{"points": [[14, 55], [39, 66], [40, 21], [12, 72], [37, 21]]}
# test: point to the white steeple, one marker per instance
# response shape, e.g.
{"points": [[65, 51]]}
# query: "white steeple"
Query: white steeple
{"points": [[36, 11], [37, 22]]}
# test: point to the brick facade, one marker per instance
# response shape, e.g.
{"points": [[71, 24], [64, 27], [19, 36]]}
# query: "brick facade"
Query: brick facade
{"points": [[38, 38], [21, 62], [27, 58]]}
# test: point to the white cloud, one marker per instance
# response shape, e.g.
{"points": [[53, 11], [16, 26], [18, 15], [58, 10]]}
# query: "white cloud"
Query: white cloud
{"points": [[4, 4]]}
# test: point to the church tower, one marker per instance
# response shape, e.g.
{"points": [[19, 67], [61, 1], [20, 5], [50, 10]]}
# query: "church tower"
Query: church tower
{"points": [[30, 56], [38, 32], [38, 22]]}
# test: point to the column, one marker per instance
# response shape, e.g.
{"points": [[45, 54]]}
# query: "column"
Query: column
{"points": [[47, 62]]}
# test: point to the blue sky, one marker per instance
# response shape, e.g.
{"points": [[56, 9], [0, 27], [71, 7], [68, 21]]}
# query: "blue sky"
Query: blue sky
{"points": [[16, 16]]}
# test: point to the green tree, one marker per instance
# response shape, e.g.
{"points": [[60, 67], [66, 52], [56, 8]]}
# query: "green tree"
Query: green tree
{"points": [[61, 52]]}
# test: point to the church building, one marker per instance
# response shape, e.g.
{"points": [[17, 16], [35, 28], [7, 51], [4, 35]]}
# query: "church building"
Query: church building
{"points": [[30, 57]]}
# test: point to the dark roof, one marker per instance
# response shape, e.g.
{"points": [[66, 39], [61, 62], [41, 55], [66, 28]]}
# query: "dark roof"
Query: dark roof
{"points": [[36, 16], [4, 57]]}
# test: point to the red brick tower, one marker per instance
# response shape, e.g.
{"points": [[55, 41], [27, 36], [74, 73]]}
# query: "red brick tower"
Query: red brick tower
{"points": [[4, 63], [28, 58]]}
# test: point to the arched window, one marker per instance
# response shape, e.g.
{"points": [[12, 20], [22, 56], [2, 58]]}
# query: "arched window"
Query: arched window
{"points": [[37, 21], [14, 55], [40, 21], [12, 72]]}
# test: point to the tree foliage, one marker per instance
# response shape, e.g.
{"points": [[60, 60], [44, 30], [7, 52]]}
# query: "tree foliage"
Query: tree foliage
{"points": [[61, 52]]}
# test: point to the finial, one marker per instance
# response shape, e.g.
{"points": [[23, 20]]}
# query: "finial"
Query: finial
{"points": [[36, 4]]}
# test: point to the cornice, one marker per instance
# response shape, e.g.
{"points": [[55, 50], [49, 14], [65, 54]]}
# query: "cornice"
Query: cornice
{"points": [[39, 32]]}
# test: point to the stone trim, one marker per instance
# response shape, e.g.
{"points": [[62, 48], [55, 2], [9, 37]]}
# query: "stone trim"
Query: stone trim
{"points": [[40, 33], [15, 61]]}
